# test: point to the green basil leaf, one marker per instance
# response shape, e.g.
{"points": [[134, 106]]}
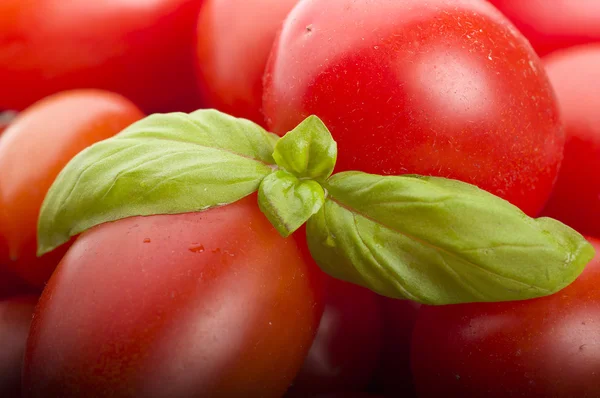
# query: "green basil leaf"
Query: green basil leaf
{"points": [[163, 164], [308, 151], [288, 201], [440, 241]]}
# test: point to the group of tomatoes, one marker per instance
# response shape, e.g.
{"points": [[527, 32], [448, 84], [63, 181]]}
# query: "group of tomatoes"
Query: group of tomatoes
{"points": [[502, 94]]}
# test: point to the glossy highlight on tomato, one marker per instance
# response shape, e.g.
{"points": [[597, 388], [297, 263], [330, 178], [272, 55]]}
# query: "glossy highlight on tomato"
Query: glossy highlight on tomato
{"points": [[210, 304], [140, 49], [445, 88], [546, 347], [51, 131]]}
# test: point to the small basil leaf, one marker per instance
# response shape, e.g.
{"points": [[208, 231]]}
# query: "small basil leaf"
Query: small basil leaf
{"points": [[288, 202], [440, 241], [308, 151], [163, 164]]}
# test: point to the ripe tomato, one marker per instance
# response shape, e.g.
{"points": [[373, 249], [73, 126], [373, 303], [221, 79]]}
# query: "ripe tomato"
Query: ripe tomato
{"points": [[446, 88], [141, 49], [547, 347], [211, 304], [15, 318], [553, 24], [33, 150], [234, 41], [575, 75], [347, 347]]}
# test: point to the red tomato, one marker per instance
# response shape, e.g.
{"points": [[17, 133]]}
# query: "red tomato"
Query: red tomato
{"points": [[394, 375], [141, 49], [553, 24], [15, 318], [234, 41], [575, 75], [11, 285], [211, 304], [33, 150], [440, 87], [347, 347], [547, 347]]}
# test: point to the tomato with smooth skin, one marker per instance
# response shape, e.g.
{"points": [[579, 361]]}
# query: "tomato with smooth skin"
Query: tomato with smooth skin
{"points": [[209, 304], [554, 24], [234, 41], [140, 49], [347, 347], [33, 150], [546, 347], [15, 318], [440, 87], [575, 76]]}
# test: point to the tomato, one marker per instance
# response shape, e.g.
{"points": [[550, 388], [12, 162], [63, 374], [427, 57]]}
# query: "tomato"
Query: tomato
{"points": [[446, 88], [546, 347], [11, 285], [33, 150], [554, 24], [15, 318], [575, 75], [140, 49], [234, 41], [347, 347], [394, 376], [210, 304]]}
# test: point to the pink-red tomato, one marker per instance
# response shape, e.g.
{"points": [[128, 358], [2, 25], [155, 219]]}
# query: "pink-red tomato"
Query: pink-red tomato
{"points": [[142, 49], [554, 24], [575, 76], [39, 142], [546, 347], [394, 376], [234, 41], [347, 348], [210, 304], [439, 87], [15, 318]]}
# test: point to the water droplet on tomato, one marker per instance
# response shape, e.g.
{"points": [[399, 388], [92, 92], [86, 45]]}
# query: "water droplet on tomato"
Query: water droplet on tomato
{"points": [[196, 248]]}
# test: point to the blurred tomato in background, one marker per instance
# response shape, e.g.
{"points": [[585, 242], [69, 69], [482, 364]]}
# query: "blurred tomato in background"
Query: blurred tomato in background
{"points": [[234, 42], [39, 142], [554, 24], [142, 49]]}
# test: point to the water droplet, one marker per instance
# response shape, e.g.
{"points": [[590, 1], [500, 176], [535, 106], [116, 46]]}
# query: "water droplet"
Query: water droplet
{"points": [[147, 240], [196, 248], [330, 241]]}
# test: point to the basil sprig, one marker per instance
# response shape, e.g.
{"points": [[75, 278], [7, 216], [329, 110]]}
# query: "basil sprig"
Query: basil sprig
{"points": [[427, 239]]}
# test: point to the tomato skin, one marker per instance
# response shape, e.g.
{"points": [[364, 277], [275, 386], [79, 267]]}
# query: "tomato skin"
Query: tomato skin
{"points": [[219, 294], [347, 347], [575, 75], [15, 318], [550, 25], [546, 347], [141, 49], [51, 131], [232, 33], [446, 88]]}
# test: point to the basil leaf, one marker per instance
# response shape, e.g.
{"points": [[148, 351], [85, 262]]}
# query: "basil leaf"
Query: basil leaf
{"points": [[288, 202], [308, 151], [163, 164], [440, 241]]}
